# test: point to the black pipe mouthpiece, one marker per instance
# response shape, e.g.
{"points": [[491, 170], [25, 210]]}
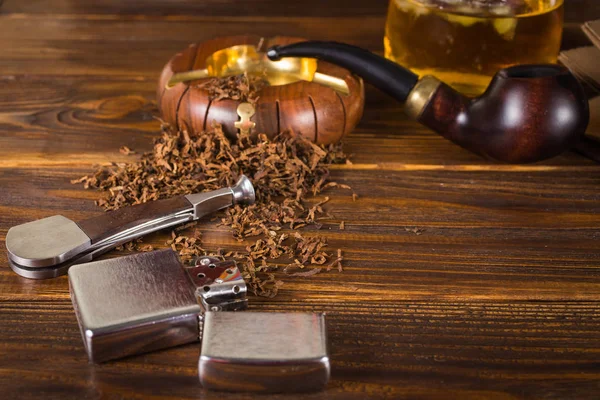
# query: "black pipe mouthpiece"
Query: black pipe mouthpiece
{"points": [[382, 73]]}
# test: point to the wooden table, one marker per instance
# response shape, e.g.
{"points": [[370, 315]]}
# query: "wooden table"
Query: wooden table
{"points": [[494, 295]]}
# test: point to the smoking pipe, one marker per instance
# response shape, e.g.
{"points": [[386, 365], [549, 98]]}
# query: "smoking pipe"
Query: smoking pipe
{"points": [[528, 113]]}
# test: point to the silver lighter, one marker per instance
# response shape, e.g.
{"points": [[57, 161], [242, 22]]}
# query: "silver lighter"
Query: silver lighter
{"points": [[149, 301]]}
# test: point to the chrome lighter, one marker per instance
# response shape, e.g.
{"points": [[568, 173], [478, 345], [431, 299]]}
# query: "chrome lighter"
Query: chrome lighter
{"points": [[264, 352], [150, 301]]}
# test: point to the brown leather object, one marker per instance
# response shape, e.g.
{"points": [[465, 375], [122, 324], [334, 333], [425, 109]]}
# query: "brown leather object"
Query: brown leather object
{"points": [[312, 110]]}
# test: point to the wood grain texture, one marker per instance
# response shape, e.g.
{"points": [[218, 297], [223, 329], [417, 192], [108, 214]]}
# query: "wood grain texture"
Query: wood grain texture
{"points": [[257, 8], [111, 223], [411, 349], [463, 279], [140, 47]]}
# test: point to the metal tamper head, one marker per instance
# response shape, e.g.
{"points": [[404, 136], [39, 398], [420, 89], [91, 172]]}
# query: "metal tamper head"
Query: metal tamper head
{"points": [[264, 352], [149, 301]]}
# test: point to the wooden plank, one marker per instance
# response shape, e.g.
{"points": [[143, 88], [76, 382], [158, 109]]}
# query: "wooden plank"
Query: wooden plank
{"points": [[153, 8], [425, 197], [94, 45], [494, 235], [424, 349], [78, 120], [575, 10]]}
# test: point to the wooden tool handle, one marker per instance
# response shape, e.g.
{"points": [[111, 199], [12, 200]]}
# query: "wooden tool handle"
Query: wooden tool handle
{"points": [[106, 225]]}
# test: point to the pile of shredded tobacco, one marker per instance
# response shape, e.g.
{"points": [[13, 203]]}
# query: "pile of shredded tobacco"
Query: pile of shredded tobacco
{"points": [[286, 171]]}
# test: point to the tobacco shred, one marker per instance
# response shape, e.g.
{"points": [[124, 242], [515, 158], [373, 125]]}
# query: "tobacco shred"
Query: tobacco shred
{"points": [[126, 150], [238, 87], [416, 230], [286, 171]]}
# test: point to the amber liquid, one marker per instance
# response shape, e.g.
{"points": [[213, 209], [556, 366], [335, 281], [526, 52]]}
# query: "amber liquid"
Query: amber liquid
{"points": [[465, 42]]}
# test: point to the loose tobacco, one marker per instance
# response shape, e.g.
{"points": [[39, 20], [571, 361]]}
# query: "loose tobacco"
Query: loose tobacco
{"points": [[238, 87], [285, 172]]}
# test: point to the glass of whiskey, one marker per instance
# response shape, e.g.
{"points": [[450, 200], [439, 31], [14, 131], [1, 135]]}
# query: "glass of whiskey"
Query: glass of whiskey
{"points": [[465, 42]]}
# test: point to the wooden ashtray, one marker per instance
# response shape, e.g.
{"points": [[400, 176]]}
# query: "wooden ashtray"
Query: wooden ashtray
{"points": [[316, 99]]}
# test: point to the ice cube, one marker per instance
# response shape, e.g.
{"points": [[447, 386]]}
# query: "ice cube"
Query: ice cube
{"points": [[506, 27]]}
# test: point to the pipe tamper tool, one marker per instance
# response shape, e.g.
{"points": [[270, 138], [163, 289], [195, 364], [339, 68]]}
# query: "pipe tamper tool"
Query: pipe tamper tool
{"points": [[46, 248]]}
